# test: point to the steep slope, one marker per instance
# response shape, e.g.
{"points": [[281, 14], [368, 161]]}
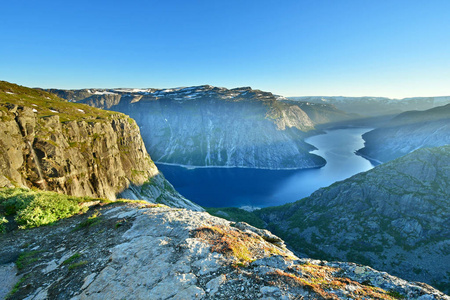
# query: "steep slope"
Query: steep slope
{"points": [[150, 252], [210, 126], [377, 106], [407, 132], [395, 217], [323, 113], [73, 148]]}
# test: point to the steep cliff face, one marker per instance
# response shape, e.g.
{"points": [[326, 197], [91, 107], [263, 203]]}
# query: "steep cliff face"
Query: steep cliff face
{"points": [[71, 148], [407, 132], [395, 217], [146, 252], [210, 126]]}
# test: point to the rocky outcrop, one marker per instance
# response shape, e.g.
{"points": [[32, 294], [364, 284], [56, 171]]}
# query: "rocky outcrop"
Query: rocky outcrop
{"points": [[394, 217], [210, 126], [145, 252], [377, 106], [74, 149], [407, 132]]}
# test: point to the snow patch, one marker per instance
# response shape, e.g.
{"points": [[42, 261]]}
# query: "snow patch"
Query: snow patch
{"points": [[104, 93], [80, 110], [35, 110]]}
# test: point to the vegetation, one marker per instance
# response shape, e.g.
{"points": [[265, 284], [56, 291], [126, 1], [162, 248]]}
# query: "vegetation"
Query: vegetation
{"points": [[33, 208], [396, 295], [90, 221], [27, 258], [17, 286], [320, 279], [231, 242], [78, 264], [46, 104], [3, 221], [71, 259]]}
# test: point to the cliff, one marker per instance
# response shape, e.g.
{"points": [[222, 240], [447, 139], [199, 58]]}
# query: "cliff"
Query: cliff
{"points": [[394, 217], [137, 251], [210, 126], [407, 132], [74, 149]]}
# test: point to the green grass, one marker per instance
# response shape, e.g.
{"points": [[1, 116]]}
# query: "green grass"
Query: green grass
{"points": [[77, 265], [17, 286], [71, 259], [27, 258], [47, 104], [89, 222], [396, 295], [3, 221], [33, 208]]}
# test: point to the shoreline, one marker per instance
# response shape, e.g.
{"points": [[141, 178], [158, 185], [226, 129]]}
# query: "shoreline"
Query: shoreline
{"points": [[190, 167]]}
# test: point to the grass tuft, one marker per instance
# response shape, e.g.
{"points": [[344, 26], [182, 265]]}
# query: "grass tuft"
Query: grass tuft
{"points": [[71, 259]]}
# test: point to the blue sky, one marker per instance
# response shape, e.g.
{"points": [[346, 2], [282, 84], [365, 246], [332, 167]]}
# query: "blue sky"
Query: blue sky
{"points": [[293, 48]]}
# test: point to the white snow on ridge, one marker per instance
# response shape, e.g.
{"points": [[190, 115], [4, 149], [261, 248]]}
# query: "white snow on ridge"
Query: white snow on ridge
{"points": [[9, 93], [35, 110], [80, 110], [55, 111], [104, 93], [146, 91]]}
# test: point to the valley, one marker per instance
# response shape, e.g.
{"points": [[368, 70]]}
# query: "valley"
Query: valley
{"points": [[219, 187], [302, 165]]}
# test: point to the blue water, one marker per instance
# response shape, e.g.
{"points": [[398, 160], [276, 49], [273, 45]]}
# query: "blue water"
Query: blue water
{"points": [[221, 187]]}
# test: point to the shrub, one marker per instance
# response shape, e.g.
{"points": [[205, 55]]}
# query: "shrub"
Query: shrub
{"points": [[37, 208], [3, 221]]}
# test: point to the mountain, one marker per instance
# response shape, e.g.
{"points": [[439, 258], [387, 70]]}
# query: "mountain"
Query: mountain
{"points": [[141, 251], [323, 113], [377, 106], [395, 217], [407, 132], [71, 148], [210, 126]]}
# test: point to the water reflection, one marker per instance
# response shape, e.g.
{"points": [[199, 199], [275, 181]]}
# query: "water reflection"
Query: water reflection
{"points": [[219, 187]]}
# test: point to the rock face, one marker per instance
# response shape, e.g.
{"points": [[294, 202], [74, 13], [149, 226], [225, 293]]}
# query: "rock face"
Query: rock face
{"points": [[407, 132], [377, 106], [210, 126], [74, 149], [163, 253], [394, 217]]}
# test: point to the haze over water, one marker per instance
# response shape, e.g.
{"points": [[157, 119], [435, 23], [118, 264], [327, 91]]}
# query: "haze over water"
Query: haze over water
{"points": [[221, 187]]}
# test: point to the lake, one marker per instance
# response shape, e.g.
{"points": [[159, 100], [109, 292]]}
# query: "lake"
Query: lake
{"points": [[224, 187]]}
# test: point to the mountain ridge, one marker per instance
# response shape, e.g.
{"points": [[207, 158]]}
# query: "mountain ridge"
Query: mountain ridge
{"points": [[211, 126], [407, 132]]}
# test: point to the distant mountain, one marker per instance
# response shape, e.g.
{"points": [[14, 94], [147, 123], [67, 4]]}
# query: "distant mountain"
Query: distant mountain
{"points": [[395, 217], [407, 132], [376, 106], [323, 113], [211, 126], [51, 144]]}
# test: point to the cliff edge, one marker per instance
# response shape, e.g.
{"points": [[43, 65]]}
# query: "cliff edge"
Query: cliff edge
{"points": [[155, 252], [71, 148]]}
